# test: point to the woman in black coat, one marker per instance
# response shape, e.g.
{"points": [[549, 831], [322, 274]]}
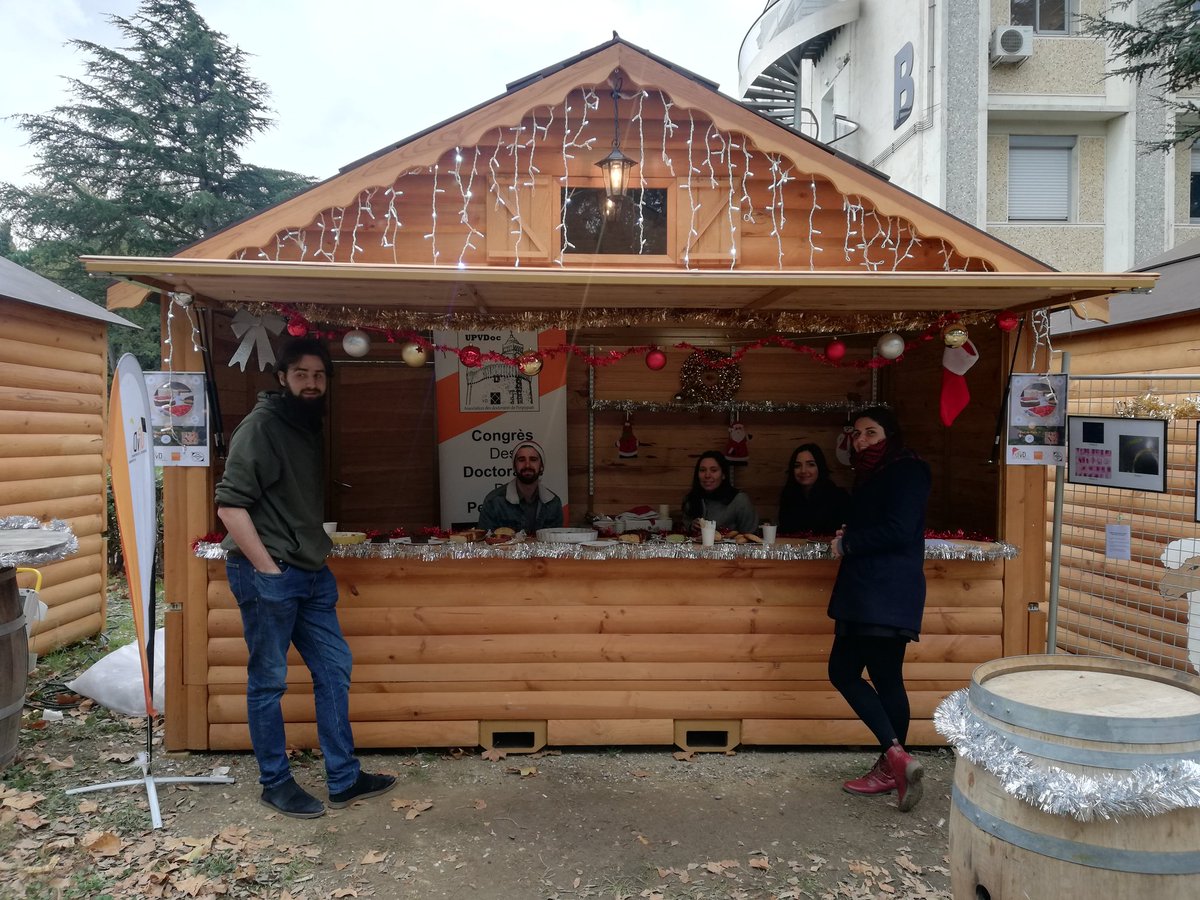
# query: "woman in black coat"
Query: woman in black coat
{"points": [[810, 502], [879, 596]]}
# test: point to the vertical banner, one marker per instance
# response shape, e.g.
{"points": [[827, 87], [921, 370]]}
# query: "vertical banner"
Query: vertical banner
{"points": [[483, 411], [132, 464], [178, 418]]}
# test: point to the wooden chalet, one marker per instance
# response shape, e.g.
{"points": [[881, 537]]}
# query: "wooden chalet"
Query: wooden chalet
{"points": [[736, 230]]}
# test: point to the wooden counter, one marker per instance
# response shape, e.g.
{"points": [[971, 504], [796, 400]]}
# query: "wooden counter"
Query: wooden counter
{"points": [[460, 652]]}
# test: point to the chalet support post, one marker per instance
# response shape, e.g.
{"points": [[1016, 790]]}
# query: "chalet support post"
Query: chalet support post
{"points": [[1060, 476]]}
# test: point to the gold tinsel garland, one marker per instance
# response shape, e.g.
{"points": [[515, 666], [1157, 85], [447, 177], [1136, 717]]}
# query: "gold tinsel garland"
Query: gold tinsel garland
{"points": [[1150, 406], [706, 376], [789, 322]]}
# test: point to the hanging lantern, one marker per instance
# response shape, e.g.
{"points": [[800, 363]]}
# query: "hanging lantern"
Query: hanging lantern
{"points": [[616, 165], [530, 364], [356, 343], [655, 359], [470, 356], [1008, 320], [413, 354], [835, 350], [297, 326], [890, 346], [954, 335]]}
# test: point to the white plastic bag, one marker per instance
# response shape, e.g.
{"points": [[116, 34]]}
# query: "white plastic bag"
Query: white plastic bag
{"points": [[115, 680]]}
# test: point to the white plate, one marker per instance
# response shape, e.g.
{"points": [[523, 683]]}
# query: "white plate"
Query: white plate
{"points": [[566, 535], [599, 545]]}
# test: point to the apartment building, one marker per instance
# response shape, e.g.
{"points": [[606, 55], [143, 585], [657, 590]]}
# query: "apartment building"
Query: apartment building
{"points": [[997, 110]]}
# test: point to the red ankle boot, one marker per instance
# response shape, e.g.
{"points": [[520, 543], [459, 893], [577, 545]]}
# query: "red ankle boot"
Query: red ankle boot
{"points": [[878, 781], [907, 772]]}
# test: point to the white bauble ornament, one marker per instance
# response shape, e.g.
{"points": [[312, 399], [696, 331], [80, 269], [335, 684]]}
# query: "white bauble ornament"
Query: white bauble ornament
{"points": [[890, 346], [356, 343], [413, 354]]}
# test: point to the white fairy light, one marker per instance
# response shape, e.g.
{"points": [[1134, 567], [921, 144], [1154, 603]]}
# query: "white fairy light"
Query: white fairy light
{"points": [[693, 204], [464, 215], [591, 102], [391, 220], [364, 209], [668, 130], [432, 234]]}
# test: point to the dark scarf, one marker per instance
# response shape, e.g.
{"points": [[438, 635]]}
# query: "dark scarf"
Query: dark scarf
{"points": [[868, 459]]}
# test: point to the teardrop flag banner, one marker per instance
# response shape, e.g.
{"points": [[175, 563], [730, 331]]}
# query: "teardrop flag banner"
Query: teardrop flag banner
{"points": [[131, 462]]}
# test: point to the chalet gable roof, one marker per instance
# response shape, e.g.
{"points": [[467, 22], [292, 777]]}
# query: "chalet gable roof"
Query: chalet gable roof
{"points": [[687, 93]]}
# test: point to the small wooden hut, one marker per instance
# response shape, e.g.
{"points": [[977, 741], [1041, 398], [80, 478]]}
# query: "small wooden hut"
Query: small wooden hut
{"points": [[53, 385], [743, 231], [1140, 361]]}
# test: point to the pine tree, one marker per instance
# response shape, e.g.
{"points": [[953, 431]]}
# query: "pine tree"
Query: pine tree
{"points": [[1163, 44], [145, 157]]}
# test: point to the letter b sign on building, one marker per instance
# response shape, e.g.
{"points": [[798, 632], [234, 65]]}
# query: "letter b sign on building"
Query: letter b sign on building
{"points": [[903, 85]]}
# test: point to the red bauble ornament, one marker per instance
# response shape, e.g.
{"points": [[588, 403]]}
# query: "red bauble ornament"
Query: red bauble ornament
{"points": [[530, 364], [471, 356], [1007, 321], [835, 350], [297, 326], [655, 359]]}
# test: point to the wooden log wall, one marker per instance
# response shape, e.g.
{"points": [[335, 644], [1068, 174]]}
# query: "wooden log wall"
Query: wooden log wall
{"points": [[1112, 607], [604, 652], [53, 374]]}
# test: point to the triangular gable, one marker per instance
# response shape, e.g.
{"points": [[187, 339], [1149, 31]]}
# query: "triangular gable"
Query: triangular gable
{"points": [[484, 188]]}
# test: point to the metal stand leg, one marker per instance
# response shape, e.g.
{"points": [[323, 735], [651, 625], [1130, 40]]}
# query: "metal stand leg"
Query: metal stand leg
{"points": [[151, 784]]}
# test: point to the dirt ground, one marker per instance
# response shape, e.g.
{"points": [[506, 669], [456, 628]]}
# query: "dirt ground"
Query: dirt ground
{"points": [[580, 823]]}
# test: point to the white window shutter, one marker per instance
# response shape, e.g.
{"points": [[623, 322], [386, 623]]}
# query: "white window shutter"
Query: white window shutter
{"points": [[1039, 179]]}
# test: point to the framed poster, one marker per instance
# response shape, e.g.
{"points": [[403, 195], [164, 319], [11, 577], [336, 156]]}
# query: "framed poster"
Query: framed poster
{"points": [[1037, 420], [178, 418], [1118, 453]]}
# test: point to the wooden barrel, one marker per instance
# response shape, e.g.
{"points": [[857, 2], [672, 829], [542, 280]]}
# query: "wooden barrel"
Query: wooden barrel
{"points": [[14, 664], [1090, 716]]}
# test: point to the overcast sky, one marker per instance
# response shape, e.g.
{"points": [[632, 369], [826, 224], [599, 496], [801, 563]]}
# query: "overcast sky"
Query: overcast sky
{"points": [[348, 77]]}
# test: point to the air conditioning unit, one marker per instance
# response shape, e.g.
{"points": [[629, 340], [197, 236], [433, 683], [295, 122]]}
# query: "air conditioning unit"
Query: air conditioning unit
{"points": [[1011, 44]]}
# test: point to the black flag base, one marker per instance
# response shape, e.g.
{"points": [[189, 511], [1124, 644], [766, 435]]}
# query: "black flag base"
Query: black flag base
{"points": [[146, 763]]}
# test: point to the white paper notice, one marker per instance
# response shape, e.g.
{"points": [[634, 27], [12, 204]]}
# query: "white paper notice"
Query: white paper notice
{"points": [[1116, 541]]}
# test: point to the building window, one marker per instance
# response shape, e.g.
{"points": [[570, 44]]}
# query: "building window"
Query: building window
{"points": [[1045, 16], [1039, 178], [635, 225], [1194, 202]]}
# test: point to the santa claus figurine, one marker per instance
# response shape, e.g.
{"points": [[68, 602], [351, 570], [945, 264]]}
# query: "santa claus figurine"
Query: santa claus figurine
{"points": [[627, 444], [738, 448]]}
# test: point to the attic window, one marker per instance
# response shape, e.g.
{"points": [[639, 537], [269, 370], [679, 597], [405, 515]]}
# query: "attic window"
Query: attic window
{"points": [[635, 225]]}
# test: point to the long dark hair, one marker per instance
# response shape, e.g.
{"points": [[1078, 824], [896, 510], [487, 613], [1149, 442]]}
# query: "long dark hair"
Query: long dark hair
{"points": [[693, 503], [792, 493]]}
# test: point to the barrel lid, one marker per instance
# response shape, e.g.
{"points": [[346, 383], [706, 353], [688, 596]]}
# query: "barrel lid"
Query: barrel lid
{"points": [[1098, 698]]}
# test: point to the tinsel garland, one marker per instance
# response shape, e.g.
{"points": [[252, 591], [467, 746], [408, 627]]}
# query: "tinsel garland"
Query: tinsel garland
{"points": [[742, 406], [300, 324], [1150, 406], [1149, 790], [653, 549], [34, 558]]}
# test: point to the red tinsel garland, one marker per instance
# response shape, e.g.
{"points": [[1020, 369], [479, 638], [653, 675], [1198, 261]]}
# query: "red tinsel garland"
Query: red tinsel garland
{"points": [[609, 357]]}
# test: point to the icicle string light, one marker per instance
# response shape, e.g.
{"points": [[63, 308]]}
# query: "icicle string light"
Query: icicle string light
{"points": [[719, 170]]}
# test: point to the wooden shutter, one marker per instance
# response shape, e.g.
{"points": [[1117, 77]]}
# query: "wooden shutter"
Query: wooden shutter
{"points": [[519, 221]]}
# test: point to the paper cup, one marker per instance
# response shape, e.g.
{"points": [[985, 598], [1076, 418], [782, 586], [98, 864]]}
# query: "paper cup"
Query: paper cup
{"points": [[330, 527], [768, 533], [708, 532]]}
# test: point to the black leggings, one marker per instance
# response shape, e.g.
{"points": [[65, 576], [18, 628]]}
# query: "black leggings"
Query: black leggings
{"points": [[882, 704]]}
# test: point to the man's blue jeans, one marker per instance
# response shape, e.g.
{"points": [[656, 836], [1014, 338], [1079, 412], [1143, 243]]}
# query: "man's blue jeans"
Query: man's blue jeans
{"points": [[295, 607]]}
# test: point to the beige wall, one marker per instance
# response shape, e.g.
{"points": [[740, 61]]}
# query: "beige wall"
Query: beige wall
{"points": [[1072, 64], [1069, 248], [1088, 189], [1089, 170]]}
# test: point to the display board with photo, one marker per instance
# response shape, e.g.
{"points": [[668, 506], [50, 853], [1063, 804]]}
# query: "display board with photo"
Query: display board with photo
{"points": [[1117, 453], [1037, 419], [178, 418]]}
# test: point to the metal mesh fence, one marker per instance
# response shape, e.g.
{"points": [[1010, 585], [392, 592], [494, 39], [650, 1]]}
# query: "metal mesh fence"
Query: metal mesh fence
{"points": [[1136, 608]]}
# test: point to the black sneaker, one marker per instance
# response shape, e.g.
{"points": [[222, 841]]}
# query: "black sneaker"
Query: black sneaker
{"points": [[365, 786], [292, 800]]}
